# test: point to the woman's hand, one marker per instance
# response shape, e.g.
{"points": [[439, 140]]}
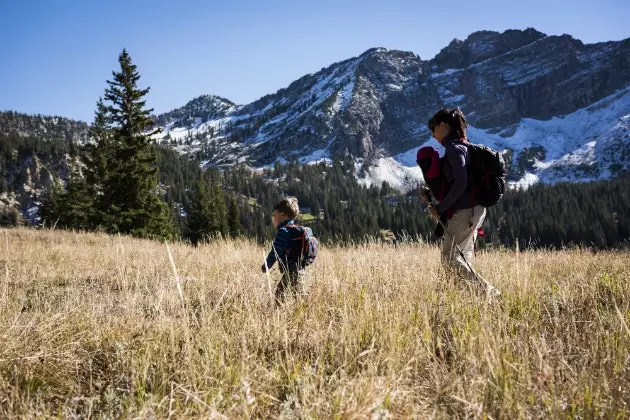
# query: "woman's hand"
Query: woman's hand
{"points": [[433, 212], [425, 194]]}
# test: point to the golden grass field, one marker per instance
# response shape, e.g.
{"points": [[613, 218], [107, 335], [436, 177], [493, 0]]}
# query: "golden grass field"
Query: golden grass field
{"points": [[95, 326]]}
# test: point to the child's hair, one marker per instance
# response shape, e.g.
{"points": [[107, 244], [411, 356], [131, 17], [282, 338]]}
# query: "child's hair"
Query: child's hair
{"points": [[288, 206], [453, 117]]}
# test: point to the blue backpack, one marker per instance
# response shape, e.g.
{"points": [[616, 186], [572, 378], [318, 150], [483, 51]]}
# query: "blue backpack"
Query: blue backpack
{"points": [[303, 246]]}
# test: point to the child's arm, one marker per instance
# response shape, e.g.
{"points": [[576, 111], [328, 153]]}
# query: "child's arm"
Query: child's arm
{"points": [[280, 244]]}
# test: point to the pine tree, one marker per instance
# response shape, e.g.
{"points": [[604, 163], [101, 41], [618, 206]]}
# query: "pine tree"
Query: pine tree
{"points": [[94, 155], [98, 147], [234, 222], [219, 210], [51, 208], [207, 213], [199, 213], [78, 203], [14, 217], [124, 159], [71, 208]]}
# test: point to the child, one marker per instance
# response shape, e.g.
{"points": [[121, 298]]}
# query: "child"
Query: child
{"points": [[288, 246]]}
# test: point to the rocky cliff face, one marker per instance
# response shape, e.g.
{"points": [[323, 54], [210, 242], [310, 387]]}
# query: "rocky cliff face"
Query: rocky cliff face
{"points": [[375, 106], [540, 77], [33, 148]]}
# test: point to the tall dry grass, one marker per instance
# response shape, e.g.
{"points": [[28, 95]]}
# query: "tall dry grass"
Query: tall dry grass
{"points": [[95, 326]]}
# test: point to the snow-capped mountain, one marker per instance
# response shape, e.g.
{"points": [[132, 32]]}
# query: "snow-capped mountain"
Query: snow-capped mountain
{"points": [[560, 110], [202, 108]]}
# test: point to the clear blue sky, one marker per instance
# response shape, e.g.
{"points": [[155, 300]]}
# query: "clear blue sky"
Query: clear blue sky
{"points": [[57, 55]]}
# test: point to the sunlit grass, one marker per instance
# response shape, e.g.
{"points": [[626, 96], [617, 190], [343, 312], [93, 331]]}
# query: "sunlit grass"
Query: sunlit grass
{"points": [[94, 325]]}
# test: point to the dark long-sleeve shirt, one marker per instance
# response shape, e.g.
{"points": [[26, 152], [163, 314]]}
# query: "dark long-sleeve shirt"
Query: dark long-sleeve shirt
{"points": [[456, 173], [280, 243]]}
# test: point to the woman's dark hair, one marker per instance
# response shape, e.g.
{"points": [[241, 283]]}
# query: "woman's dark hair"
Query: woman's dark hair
{"points": [[453, 117]]}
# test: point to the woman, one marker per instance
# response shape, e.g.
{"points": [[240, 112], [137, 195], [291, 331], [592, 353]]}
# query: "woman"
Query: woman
{"points": [[464, 215]]}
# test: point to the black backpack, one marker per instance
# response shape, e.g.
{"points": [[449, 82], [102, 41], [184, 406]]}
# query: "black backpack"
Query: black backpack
{"points": [[303, 246], [488, 172]]}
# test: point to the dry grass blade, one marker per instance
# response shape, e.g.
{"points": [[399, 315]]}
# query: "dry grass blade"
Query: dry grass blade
{"points": [[177, 281], [91, 325]]}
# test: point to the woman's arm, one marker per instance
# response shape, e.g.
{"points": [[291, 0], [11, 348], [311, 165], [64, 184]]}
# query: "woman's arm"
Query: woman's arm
{"points": [[456, 155]]}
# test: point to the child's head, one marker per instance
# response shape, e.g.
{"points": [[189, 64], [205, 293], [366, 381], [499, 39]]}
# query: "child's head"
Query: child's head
{"points": [[285, 209]]}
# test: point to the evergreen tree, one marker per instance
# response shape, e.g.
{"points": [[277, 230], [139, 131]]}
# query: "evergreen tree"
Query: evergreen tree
{"points": [[51, 208], [219, 210], [69, 208], [15, 218], [207, 213], [234, 223], [198, 213], [94, 154], [10, 216], [77, 203], [125, 159]]}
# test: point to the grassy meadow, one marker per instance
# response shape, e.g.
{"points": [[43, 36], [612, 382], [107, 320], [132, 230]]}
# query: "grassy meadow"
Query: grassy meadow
{"points": [[101, 326]]}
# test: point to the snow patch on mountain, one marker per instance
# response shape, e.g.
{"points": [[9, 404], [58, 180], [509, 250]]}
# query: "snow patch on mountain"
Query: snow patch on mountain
{"points": [[344, 97], [578, 147], [397, 175], [526, 181], [590, 144], [318, 156]]}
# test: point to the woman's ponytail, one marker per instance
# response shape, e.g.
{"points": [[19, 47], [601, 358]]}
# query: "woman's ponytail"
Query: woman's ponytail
{"points": [[454, 118], [458, 124]]}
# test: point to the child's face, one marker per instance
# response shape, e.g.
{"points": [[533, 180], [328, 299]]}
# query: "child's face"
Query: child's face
{"points": [[278, 217]]}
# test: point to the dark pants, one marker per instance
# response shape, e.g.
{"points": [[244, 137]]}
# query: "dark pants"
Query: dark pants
{"points": [[289, 282]]}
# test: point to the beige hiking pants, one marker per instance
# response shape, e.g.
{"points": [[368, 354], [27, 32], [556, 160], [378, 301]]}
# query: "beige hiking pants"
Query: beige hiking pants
{"points": [[462, 231]]}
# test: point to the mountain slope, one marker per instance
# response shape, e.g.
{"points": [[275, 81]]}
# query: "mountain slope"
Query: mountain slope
{"points": [[33, 149], [42, 127], [558, 108], [516, 88]]}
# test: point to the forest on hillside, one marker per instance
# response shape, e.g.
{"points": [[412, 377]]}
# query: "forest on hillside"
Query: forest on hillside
{"points": [[111, 176], [339, 208]]}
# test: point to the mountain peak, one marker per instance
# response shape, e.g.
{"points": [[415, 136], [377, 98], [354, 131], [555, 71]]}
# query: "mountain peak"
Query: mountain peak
{"points": [[373, 51], [209, 101], [482, 45], [200, 109]]}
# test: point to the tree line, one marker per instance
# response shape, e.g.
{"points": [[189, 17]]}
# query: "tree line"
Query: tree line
{"points": [[120, 181]]}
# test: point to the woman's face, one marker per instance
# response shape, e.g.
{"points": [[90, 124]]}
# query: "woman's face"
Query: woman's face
{"points": [[440, 131]]}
